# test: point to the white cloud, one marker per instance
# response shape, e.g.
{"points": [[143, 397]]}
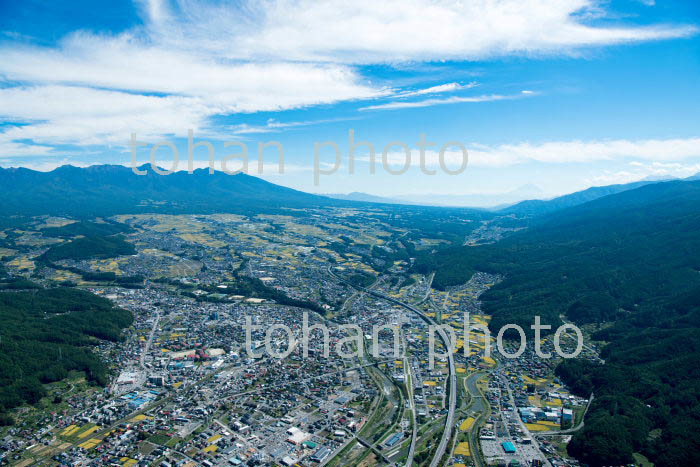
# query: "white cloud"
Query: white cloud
{"points": [[193, 60], [447, 87], [660, 154], [273, 125], [96, 90], [128, 63], [65, 115], [11, 148], [67, 104], [641, 171], [585, 151], [367, 31], [448, 100]]}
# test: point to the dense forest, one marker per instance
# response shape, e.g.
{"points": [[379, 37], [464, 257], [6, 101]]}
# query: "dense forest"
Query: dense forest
{"points": [[45, 333], [647, 392], [87, 229], [596, 262], [631, 259], [89, 247]]}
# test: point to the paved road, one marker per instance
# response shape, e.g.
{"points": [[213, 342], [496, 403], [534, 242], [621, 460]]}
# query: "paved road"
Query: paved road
{"points": [[144, 353], [524, 428], [374, 448], [452, 376], [409, 389]]}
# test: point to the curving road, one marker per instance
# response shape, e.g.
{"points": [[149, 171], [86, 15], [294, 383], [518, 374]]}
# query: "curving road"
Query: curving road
{"points": [[452, 376]]}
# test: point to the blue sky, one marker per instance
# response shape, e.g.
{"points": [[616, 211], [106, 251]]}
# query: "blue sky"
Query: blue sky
{"points": [[561, 94]]}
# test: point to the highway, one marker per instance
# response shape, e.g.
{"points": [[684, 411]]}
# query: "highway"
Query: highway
{"points": [[411, 400], [452, 376]]}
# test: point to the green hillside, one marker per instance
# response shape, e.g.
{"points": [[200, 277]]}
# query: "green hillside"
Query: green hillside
{"points": [[46, 333], [632, 259], [89, 247]]}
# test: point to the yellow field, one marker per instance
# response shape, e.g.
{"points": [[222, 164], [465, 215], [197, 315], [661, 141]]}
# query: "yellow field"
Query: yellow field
{"points": [[157, 252], [536, 427], [535, 400], [166, 222], [541, 426], [481, 319], [489, 361], [202, 239], [69, 430], [90, 444], [22, 263], [530, 380], [88, 432], [62, 276], [108, 265], [184, 268], [463, 449], [467, 424], [228, 218], [140, 418], [55, 222]]}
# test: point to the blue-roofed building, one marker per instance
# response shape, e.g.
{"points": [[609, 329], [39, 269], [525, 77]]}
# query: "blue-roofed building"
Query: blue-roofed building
{"points": [[508, 447], [394, 439]]}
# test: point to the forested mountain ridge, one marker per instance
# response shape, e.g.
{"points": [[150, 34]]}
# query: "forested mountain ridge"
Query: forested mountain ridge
{"points": [[101, 190], [631, 259], [630, 246], [538, 207]]}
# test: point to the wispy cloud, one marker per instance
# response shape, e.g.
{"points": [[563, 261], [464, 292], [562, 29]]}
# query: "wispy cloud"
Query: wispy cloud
{"points": [[447, 87], [641, 171], [664, 153], [448, 100], [273, 125], [559, 152]]}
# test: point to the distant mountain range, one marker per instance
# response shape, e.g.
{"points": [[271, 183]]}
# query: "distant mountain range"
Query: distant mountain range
{"points": [[478, 200], [536, 207], [109, 189], [365, 198]]}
